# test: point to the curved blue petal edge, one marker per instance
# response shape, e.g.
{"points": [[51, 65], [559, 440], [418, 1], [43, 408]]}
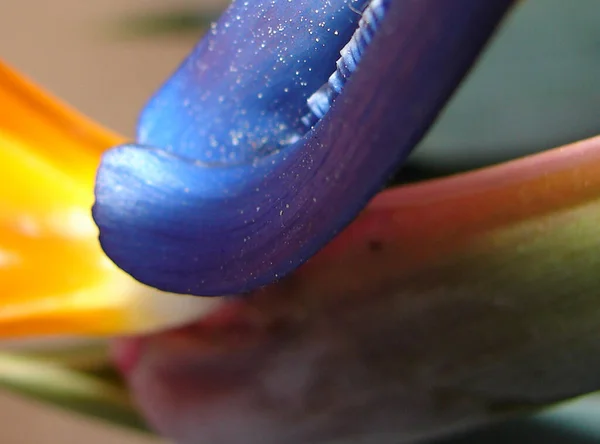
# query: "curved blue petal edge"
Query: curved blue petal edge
{"points": [[225, 190]]}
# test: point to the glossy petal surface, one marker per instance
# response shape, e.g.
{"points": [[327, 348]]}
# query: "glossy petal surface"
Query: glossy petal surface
{"points": [[225, 193]]}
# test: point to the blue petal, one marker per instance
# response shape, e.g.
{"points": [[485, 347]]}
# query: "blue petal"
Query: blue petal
{"points": [[226, 189], [243, 90]]}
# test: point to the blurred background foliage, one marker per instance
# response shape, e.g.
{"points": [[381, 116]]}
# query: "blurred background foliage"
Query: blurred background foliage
{"points": [[76, 376], [535, 88]]}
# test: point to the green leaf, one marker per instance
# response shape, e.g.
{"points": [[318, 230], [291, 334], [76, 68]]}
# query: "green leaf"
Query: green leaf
{"points": [[172, 22], [96, 396], [83, 355]]}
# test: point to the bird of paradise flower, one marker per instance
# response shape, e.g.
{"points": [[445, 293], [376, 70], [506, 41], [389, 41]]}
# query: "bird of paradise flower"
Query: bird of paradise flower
{"points": [[504, 257], [487, 278]]}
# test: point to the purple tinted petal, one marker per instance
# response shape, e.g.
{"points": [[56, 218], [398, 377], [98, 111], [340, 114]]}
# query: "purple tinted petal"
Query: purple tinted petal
{"points": [[186, 218]]}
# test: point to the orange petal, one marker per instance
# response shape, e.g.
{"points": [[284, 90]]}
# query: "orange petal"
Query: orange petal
{"points": [[55, 279]]}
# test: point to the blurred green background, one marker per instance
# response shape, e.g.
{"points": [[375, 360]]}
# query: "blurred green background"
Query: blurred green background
{"points": [[536, 87]]}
